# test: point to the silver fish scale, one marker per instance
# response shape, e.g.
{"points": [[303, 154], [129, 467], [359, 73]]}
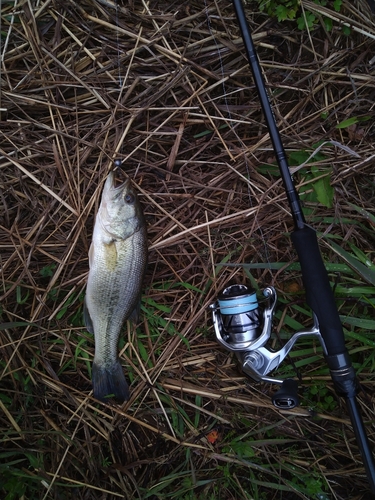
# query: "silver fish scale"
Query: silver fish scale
{"points": [[115, 293], [118, 258]]}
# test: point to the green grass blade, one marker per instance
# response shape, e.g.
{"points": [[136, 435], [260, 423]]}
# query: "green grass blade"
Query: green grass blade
{"points": [[366, 273]]}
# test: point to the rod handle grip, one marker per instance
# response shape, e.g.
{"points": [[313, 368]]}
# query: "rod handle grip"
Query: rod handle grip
{"points": [[319, 295]]}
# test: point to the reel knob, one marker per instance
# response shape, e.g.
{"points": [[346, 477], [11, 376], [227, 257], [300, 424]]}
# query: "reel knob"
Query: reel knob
{"points": [[286, 397]]}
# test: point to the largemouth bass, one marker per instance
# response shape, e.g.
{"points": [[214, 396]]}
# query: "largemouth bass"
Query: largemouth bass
{"points": [[117, 260]]}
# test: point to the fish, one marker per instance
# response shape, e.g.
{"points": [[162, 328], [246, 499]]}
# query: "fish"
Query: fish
{"points": [[117, 264]]}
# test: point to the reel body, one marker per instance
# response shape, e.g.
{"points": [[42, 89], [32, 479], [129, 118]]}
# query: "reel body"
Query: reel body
{"points": [[242, 327]]}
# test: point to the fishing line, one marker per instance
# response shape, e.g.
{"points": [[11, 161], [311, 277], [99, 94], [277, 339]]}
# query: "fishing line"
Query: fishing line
{"points": [[233, 129], [118, 51], [117, 162], [257, 223], [236, 316], [122, 79]]}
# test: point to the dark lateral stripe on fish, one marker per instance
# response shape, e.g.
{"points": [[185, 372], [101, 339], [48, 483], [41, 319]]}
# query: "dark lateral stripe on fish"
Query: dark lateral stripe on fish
{"points": [[107, 382]]}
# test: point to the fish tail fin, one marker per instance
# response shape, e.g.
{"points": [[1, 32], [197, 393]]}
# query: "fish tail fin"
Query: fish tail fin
{"points": [[107, 381]]}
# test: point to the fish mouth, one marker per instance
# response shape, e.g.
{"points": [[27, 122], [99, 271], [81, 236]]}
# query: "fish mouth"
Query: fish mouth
{"points": [[117, 187]]}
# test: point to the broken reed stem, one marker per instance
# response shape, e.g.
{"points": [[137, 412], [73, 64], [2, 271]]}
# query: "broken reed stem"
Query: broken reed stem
{"points": [[168, 92]]}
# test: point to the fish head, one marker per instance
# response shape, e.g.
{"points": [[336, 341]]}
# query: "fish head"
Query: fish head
{"points": [[120, 212]]}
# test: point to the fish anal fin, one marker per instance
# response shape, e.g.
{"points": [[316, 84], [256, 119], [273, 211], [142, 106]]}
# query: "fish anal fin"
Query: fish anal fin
{"points": [[109, 381], [87, 318], [134, 316]]}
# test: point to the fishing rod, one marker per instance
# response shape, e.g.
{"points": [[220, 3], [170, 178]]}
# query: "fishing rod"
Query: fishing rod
{"points": [[240, 325]]}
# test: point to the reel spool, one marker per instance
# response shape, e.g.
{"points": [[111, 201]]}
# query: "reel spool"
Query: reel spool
{"points": [[240, 314], [244, 327]]}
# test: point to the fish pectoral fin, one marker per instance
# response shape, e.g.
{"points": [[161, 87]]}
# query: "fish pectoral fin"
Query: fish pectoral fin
{"points": [[87, 318], [111, 255], [91, 255]]}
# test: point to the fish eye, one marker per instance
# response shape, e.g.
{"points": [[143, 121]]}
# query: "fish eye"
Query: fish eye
{"points": [[129, 198]]}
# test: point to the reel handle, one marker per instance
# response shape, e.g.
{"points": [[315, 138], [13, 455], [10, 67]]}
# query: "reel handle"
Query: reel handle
{"points": [[286, 397]]}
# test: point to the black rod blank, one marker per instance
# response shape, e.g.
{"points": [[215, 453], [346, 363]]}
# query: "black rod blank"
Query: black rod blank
{"points": [[278, 147], [319, 295]]}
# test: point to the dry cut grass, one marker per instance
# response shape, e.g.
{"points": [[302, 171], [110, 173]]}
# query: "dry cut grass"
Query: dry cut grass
{"points": [[165, 86]]}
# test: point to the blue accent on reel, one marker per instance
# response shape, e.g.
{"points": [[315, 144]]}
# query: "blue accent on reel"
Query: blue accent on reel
{"points": [[240, 314], [239, 304], [237, 299]]}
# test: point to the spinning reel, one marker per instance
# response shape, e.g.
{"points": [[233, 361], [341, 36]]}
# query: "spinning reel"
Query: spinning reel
{"points": [[243, 328]]}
